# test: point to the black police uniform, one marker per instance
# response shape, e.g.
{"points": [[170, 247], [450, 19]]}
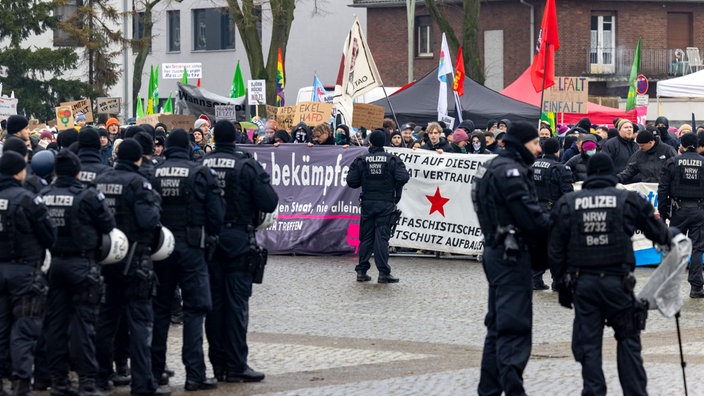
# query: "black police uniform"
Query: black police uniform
{"points": [[75, 284], [91, 165], [26, 230], [192, 208], [552, 180], [382, 176], [681, 199], [247, 189], [591, 241], [137, 213], [504, 198]]}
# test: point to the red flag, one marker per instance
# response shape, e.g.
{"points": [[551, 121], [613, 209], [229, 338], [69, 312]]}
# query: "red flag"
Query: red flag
{"points": [[458, 85], [198, 85], [543, 66]]}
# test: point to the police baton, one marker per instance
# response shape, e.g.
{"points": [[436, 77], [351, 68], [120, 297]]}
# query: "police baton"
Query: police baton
{"points": [[130, 255]]}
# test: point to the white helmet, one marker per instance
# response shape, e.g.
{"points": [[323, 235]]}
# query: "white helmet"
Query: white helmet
{"points": [[166, 245], [265, 220], [47, 262], [114, 248]]}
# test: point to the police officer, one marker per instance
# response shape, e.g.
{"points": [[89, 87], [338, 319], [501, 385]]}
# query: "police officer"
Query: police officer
{"points": [[148, 164], [192, 208], [507, 207], [26, 230], [75, 285], [591, 250], [247, 189], [89, 153], [382, 176], [130, 283], [681, 200], [552, 180]]}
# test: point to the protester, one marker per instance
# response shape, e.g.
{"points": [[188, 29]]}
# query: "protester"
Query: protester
{"points": [[407, 134], [491, 145], [342, 135], [105, 146], [80, 121], [435, 139], [578, 163], [381, 176], [321, 135], [396, 140], [595, 263], [508, 211], [113, 127], [301, 133], [663, 124], [645, 165], [477, 143], [622, 147], [460, 141]]}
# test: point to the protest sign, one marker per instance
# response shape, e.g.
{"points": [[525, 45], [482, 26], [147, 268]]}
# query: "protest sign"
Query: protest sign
{"points": [[174, 71], [8, 107], [286, 117], [197, 101], [568, 95], [172, 121], [313, 113], [83, 106], [367, 115], [271, 111], [256, 92], [225, 112], [108, 105], [64, 117]]}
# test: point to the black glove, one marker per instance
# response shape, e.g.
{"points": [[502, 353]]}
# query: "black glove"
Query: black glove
{"points": [[564, 294]]}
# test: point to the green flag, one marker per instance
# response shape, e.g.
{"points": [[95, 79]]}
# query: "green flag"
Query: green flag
{"points": [[168, 106], [184, 78], [237, 89], [150, 91], [549, 118], [155, 92], [140, 111], [633, 80]]}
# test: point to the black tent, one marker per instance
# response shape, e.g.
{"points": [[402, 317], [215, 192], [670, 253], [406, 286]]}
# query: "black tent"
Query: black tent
{"points": [[419, 102]]}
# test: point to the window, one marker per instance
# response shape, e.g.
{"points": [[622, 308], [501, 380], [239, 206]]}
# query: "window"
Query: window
{"points": [[66, 14], [602, 48], [213, 29], [138, 26], [174, 21], [424, 37]]}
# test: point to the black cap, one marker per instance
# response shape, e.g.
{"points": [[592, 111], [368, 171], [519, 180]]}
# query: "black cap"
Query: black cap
{"points": [[688, 141], [146, 141], [524, 131], [377, 138], [224, 132], [160, 141], [129, 150], [644, 137], [11, 163], [16, 123], [467, 125], [67, 163], [67, 137], [89, 138], [600, 164], [662, 120], [551, 146], [177, 138], [13, 143]]}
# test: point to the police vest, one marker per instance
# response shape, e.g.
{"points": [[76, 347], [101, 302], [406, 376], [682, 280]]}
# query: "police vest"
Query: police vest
{"points": [[377, 181], [543, 169], [228, 167], [74, 234], [91, 170], [175, 182], [119, 188], [688, 177], [17, 239], [598, 237]]}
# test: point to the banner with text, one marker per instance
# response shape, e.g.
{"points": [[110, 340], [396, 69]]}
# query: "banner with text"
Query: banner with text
{"points": [[568, 95], [8, 107], [197, 101]]}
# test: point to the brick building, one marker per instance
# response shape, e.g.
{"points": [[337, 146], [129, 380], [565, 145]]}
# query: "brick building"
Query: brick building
{"points": [[597, 39]]}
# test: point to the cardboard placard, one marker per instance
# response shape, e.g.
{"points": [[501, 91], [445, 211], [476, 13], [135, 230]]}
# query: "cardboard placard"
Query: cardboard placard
{"points": [[172, 121], [83, 106], [286, 117], [64, 117], [568, 95], [226, 112], [271, 111], [313, 113], [109, 105], [367, 115]]}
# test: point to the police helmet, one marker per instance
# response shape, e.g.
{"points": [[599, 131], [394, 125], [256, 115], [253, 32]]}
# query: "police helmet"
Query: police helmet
{"points": [[43, 163], [164, 246], [47, 262], [114, 248], [265, 220]]}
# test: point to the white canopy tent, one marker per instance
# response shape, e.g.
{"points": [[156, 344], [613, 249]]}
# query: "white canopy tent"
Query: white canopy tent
{"points": [[689, 86]]}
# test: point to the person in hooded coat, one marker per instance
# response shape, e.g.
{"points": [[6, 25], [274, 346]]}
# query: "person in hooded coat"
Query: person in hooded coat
{"points": [[477, 143], [663, 124], [301, 133], [436, 140]]}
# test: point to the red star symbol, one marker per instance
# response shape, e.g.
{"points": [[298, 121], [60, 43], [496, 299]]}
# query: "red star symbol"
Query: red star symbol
{"points": [[437, 202]]}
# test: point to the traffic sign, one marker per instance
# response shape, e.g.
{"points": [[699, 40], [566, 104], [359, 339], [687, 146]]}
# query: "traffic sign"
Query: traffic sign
{"points": [[642, 100], [641, 85]]}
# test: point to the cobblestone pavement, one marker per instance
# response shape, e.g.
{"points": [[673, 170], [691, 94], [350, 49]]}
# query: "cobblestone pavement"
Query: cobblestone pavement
{"points": [[314, 330]]}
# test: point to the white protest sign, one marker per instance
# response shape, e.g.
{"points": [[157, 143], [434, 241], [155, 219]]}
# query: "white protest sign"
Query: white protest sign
{"points": [[8, 107], [108, 105], [256, 92], [174, 71], [226, 112]]}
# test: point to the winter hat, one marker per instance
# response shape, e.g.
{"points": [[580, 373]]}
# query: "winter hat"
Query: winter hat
{"points": [[562, 129], [644, 137], [662, 120], [224, 132], [102, 132], [377, 138], [585, 124], [396, 133], [89, 138], [621, 122], [491, 124], [15, 144], [112, 121], [199, 122], [146, 141], [129, 150], [505, 121], [467, 125], [523, 131], [67, 163], [162, 126], [344, 128], [177, 138], [684, 128], [16, 123], [459, 135], [11, 163], [46, 135], [587, 146], [551, 146], [689, 141], [160, 141], [600, 164], [148, 129], [283, 135], [80, 117]]}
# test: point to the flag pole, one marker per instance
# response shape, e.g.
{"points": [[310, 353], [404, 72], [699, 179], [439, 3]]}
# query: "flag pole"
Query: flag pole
{"points": [[542, 91], [458, 105], [391, 107], [679, 341]]}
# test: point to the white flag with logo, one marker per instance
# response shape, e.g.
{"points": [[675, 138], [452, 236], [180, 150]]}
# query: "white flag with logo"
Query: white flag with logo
{"points": [[444, 68]]}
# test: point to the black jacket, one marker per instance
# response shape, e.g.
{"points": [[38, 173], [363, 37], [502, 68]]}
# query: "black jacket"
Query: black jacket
{"points": [[646, 166], [620, 151]]}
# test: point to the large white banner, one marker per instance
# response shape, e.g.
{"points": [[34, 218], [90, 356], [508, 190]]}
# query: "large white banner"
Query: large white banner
{"points": [[438, 214], [8, 107]]}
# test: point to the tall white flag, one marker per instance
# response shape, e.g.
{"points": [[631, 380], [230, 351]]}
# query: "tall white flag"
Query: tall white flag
{"points": [[444, 68]]}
